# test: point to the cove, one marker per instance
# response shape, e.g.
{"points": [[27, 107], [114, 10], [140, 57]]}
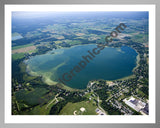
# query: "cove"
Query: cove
{"points": [[110, 64]]}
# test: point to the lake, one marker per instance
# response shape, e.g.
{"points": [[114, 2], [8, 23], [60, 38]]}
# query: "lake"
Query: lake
{"points": [[110, 64]]}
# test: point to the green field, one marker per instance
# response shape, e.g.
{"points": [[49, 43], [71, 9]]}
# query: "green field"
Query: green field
{"points": [[31, 97], [73, 42], [72, 108], [39, 110], [140, 38], [21, 46], [17, 56]]}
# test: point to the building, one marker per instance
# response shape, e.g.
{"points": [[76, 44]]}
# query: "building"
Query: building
{"points": [[137, 105]]}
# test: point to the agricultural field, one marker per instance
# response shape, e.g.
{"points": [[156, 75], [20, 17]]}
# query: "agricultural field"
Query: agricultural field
{"points": [[21, 46], [29, 49]]}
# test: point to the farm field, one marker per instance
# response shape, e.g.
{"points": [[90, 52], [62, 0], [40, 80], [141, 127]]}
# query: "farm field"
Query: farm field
{"points": [[24, 50], [21, 46]]}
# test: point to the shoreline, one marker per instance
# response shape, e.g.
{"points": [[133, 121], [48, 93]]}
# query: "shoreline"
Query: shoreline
{"points": [[137, 65], [50, 82], [130, 76], [125, 78], [137, 62]]}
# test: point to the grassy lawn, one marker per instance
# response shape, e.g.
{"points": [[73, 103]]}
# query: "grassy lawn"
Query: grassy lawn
{"points": [[70, 108]]}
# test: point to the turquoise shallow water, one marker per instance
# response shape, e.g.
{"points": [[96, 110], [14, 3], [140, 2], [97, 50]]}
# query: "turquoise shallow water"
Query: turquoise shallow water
{"points": [[110, 64]]}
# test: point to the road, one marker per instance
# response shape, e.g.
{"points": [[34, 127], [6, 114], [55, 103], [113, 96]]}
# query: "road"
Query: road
{"points": [[100, 106], [55, 98]]}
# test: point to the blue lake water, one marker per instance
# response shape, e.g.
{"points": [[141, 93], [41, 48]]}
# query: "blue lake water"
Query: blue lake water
{"points": [[16, 37], [110, 64]]}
